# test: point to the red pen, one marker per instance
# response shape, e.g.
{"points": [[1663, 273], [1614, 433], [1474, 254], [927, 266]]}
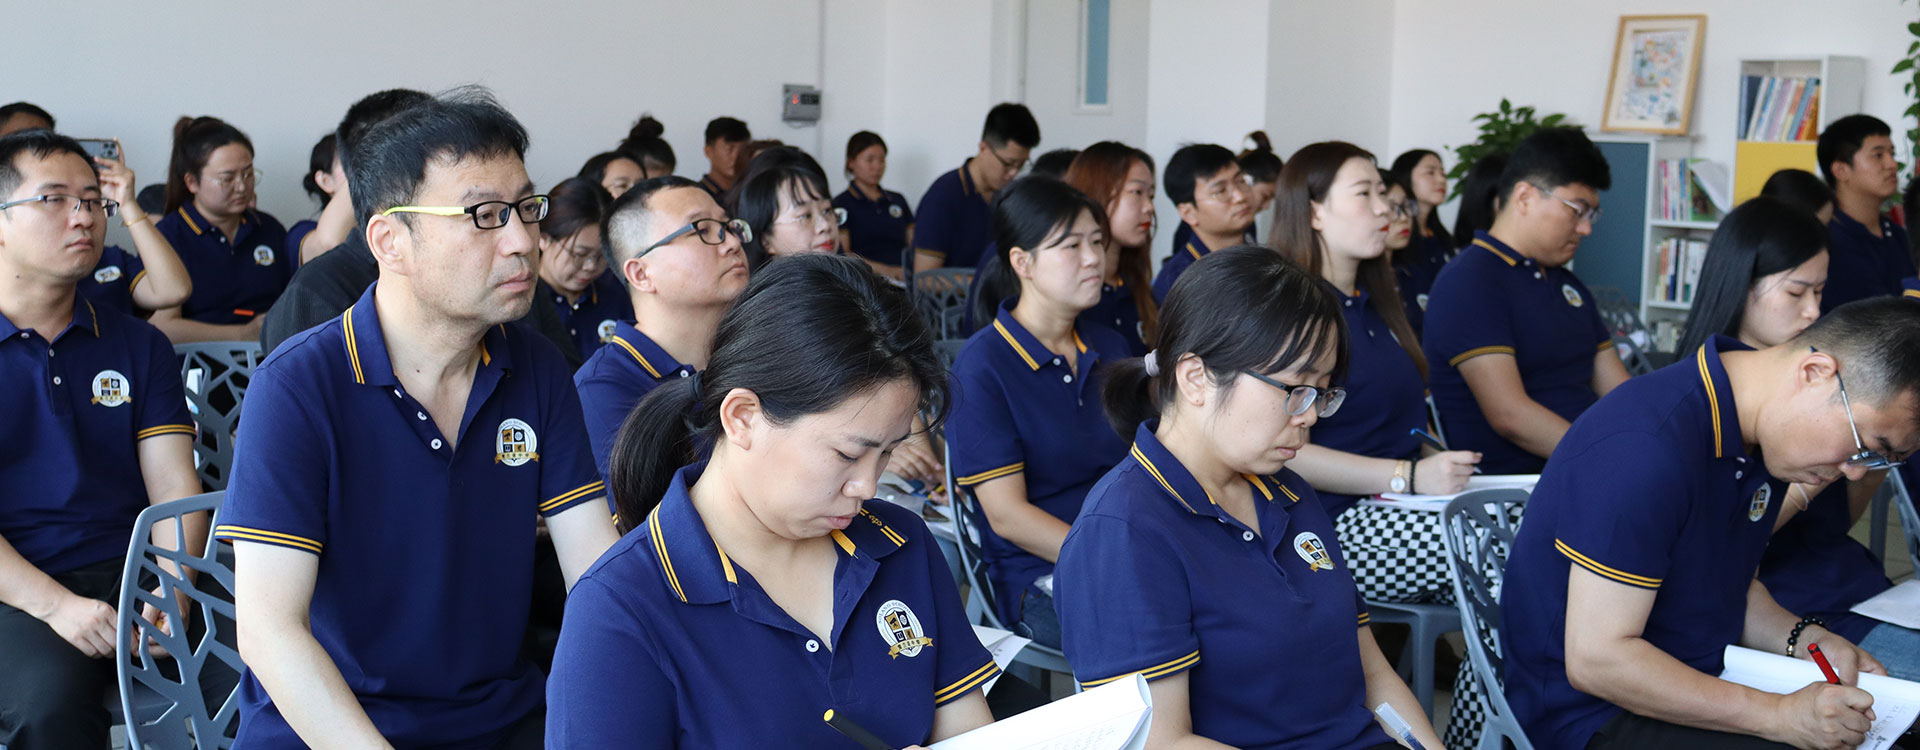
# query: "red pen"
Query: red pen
{"points": [[1821, 659]]}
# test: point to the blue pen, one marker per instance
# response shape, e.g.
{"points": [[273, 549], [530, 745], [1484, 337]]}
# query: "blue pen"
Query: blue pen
{"points": [[1398, 726], [1429, 439]]}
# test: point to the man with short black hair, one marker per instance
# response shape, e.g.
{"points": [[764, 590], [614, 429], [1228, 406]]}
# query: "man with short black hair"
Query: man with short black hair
{"points": [[725, 137], [1635, 568], [1515, 340], [1867, 255], [99, 431], [680, 257], [384, 525], [955, 217], [20, 116], [1214, 198]]}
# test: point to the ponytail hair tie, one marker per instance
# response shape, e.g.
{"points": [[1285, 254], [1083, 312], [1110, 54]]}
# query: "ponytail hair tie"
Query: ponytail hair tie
{"points": [[1152, 365], [695, 379]]}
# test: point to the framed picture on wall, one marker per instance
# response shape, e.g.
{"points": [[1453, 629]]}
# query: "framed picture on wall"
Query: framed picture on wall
{"points": [[1656, 61]]}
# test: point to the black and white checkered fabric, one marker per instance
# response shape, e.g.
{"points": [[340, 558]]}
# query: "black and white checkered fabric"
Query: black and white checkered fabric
{"points": [[1396, 555], [1469, 713]]}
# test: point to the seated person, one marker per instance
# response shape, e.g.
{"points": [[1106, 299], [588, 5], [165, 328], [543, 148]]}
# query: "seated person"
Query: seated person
{"points": [[879, 225], [955, 218], [236, 255], [1054, 163], [310, 238], [615, 171], [149, 278], [1262, 168], [780, 521], [102, 432], [644, 140], [1803, 190], [1121, 177], [1870, 252], [573, 278], [784, 200], [1515, 341], [679, 257], [20, 116], [1635, 567], [726, 138], [1201, 562], [1027, 436], [420, 409], [1429, 247], [1214, 197]]}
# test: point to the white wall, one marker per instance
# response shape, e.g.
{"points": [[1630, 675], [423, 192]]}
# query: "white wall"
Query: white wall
{"points": [[1455, 58], [1053, 75], [937, 87], [1329, 68]]}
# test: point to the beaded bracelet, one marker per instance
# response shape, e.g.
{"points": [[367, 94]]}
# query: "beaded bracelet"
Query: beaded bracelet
{"points": [[1793, 638]]}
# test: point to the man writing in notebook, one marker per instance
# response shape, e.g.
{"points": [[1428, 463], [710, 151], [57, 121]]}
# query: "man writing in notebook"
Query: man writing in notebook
{"points": [[1635, 568]]}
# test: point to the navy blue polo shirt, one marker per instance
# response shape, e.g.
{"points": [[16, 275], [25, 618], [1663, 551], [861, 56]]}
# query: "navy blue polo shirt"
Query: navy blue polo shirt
{"points": [[232, 283], [1193, 249], [955, 219], [592, 319], [1116, 310], [1386, 400], [1018, 409], [1652, 488], [77, 406], [1156, 579], [614, 380], [426, 550], [876, 229], [1416, 275], [697, 641], [112, 280], [1493, 300], [298, 233], [1860, 265]]}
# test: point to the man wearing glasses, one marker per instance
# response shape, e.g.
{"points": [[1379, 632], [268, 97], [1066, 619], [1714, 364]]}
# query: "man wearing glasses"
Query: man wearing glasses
{"points": [[956, 214], [680, 257], [1515, 341], [1635, 567], [1215, 202], [99, 431], [383, 517]]}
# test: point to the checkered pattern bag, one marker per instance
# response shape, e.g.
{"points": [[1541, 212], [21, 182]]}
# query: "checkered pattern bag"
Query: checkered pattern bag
{"points": [[1396, 555]]}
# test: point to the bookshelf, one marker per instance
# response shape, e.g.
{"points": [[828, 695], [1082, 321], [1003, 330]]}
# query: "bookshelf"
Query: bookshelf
{"points": [[1624, 250], [1767, 143]]}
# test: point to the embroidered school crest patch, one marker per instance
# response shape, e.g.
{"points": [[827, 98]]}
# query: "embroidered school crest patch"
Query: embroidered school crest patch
{"points": [[516, 444], [1308, 546], [1572, 295], [606, 331], [901, 629], [894, 210], [110, 389], [1758, 506], [107, 275]]}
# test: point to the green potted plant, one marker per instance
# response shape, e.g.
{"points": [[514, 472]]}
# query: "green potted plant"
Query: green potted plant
{"points": [[1500, 132]]}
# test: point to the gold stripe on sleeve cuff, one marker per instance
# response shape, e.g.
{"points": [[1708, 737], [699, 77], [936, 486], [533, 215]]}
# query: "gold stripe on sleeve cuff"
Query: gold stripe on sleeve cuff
{"points": [[165, 429], [1471, 353], [1153, 672], [965, 684]]}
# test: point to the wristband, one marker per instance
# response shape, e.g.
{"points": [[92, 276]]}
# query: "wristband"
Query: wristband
{"points": [[1793, 638]]}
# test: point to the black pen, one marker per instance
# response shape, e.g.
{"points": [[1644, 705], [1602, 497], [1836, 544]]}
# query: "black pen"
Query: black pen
{"points": [[1429, 439], [855, 732]]}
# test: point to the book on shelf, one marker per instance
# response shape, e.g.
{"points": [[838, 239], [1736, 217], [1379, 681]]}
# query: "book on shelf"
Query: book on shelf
{"points": [[1690, 190], [1677, 272], [1779, 108]]}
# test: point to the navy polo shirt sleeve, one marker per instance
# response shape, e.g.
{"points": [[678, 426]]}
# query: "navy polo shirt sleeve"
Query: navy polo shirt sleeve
{"points": [[608, 702], [568, 475], [962, 664], [278, 492], [986, 442], [163, 410], [906, 211], [604, 403], [1125, 607], [1467, 323], [1629, 508], [938, 223]]}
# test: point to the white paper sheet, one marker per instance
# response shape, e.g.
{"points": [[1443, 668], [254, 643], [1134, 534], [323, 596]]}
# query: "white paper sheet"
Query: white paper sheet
{"points": [[1002, 645], [1899, 605], [1437, 503], [1113, 716], [1896, 703]]}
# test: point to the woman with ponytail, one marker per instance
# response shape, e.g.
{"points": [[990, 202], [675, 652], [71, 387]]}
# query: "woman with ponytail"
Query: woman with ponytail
{"points": [[766, 576], [646, 141], [1027, 436], [1202, 548], [1262, 167], [237, 256], [1121, 177]]}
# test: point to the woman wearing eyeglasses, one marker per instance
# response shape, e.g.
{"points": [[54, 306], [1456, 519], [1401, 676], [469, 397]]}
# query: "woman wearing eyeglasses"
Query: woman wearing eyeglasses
{"points": [[1201, 561], [785, 201], [1428, 248], [1026, 434], [572, 266], [236, 255]]}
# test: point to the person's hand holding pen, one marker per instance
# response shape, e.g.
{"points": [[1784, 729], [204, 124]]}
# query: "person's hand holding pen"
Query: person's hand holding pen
{"points": [[1445, 472]]}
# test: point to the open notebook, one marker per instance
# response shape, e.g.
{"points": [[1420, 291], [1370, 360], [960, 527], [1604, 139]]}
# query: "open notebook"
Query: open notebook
{"points": [[1896, 703], [1437, 503], [1113, 716]]}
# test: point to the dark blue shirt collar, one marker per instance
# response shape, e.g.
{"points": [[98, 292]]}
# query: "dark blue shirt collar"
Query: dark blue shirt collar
{"points": [[698, 571], [1197, 247], [653, 359], [1728, 442], [1501, 250], [1030, 349], [84, 319], [1179, 483], [1910, 288], [366, 344], [199, 224], [1844, 222]]}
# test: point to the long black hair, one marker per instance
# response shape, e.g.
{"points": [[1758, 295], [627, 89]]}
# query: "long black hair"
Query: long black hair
{"points": [[827, 316], [1402, 170], [1025, 214], [1241, 308], [194, 141], [1479, 198], [321, 160], [1758, 238], [575, 203], [1799, 187]]}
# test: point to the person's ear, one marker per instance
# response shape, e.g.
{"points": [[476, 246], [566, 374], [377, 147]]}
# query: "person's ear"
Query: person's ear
{"points": [[636, 274], [1190, 375], [192, 182], [1842, 171], [740, 418], [1020, 262], [1814, 369], [1317, 210], [389, 239], [1189, 213]]}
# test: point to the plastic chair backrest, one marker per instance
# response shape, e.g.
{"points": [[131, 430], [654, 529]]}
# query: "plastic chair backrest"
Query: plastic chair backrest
{"points": [[193, 719], [966, 526], [1902, 498], [1480, 528], [949, 350], [941, 296], [216, 374]]}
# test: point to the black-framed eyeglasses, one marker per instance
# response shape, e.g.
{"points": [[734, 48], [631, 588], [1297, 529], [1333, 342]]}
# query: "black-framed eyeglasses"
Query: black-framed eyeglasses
{"points": [[1581, 211], [1863, 458], [1015, 166], [59, 203], [1405, 209], [710, 231], [1300, 398], [486, 214]]}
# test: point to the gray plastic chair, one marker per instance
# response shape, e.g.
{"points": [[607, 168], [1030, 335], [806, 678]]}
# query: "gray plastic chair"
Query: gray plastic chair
{"points": [[941, 296], [216, 374], [1479, 533], [185, 700], [1427, 622], [1894, 491], [949, 350], [980, 594]]}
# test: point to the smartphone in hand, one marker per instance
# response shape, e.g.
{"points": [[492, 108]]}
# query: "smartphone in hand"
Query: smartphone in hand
{"points": [[102, 148]]}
